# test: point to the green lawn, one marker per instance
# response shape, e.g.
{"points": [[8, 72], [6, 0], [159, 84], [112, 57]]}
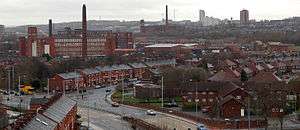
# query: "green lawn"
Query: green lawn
{"points": [[132, 100]]}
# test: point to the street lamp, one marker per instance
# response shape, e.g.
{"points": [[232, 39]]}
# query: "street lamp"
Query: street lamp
{"points": [[162, 91]]}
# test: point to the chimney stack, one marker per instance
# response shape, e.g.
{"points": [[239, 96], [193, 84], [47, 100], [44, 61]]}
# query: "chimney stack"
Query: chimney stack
{"points": [[167, 17], [84, 32], [50, 28]]}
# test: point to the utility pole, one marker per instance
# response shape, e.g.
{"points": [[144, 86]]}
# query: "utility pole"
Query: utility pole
{"points": [[197, 100], [249, 122], [19, 85], [123, 91], [48, 89], [88, 112], [162, 91], [9, 83]]}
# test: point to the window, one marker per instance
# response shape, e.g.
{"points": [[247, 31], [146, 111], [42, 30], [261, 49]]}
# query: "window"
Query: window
{"points": [[203, 93], [238, 97], [211, 100], [203, 100]]}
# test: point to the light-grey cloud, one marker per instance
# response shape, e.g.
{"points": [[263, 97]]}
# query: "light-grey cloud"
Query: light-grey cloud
{"points": [[19, 12]]}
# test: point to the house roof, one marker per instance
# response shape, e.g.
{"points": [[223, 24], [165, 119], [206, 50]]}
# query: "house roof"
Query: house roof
{"points": [[229, 62], [161, 62], [229, 98], [259, 67], [169, 45], [70, 75], [113, 67], [105, 68], [228, 88], [40, 122], [247, 70], [121, 67], [265, 77], [90, 71], [34, 101], [224, 75], [205, 86], [137, 65], [60, 109]]}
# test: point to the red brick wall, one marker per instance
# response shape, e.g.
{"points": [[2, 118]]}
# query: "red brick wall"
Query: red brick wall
{"points": [[231, 109]]}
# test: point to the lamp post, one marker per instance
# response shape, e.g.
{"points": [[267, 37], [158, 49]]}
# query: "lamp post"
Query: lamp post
{"points": [[162, 91]]}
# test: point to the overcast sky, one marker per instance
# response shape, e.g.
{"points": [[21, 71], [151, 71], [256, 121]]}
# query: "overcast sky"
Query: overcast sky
{"points": [[20, 12]]}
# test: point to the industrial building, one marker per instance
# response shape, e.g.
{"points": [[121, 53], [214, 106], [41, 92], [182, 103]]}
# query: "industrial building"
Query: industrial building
{"points": [[74, 42]]}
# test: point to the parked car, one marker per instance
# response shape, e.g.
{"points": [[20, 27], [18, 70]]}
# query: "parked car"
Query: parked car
{"points": [[171, 104], [201, 127], [151, 112], [98, 86], [114, 104], [205, 109]]}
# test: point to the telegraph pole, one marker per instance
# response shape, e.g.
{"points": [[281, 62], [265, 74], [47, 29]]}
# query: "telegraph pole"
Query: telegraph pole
{"points": [[162, 91], [9, 83], [48, 89]]}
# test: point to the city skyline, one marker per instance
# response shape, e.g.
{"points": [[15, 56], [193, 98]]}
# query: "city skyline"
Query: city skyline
{"points": [[37, 12]]}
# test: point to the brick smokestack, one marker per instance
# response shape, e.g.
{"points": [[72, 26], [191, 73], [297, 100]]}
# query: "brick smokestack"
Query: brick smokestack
{"points": [[84, 32], [50, 28], [167, 17]]}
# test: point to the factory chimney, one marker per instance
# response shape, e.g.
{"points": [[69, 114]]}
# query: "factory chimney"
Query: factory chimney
{"points": [[50, 28], [84, 32], [167, 17]]}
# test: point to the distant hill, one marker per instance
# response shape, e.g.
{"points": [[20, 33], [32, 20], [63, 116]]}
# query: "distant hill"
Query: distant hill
{"points": [[115, 25]]}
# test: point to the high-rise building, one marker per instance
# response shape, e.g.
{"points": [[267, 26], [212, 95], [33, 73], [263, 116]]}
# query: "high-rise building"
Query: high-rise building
{"points": [[2, 29], [244, 17], [201, 16]]}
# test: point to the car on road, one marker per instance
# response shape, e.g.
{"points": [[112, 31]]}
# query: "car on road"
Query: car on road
{"points": [[114, 104], [201, 127], [151, 112], [108, 90], [98, 86]]}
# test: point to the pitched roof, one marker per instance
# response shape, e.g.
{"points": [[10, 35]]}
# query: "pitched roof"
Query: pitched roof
{"points": [[137, 65], [225, 75], [247, 70], [229, 98], [229, 62], [60, 109], [38, 101], [40, 122], [265, 77], [259, 67], [105, 68], [90, 71], [70, 75], [161, 62], [228, 88], [204, 86]]}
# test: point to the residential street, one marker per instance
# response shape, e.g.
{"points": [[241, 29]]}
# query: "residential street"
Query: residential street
{"points": [[95, 100]]}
